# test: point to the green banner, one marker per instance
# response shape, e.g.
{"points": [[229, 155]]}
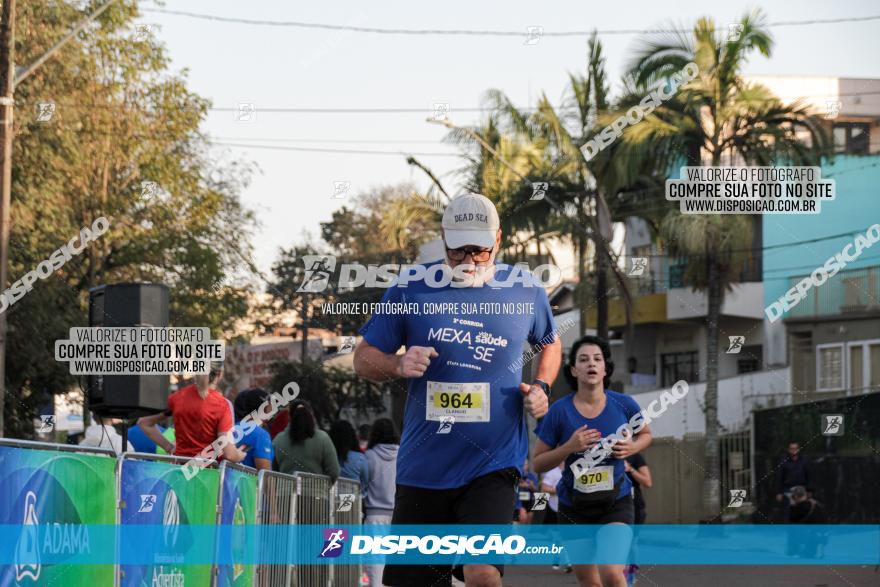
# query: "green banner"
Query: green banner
{"points": [[62, 491], [158, 493]]}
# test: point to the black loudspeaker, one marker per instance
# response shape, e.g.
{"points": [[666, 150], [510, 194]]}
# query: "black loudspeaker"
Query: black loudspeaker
{"points": [[128, 304]]}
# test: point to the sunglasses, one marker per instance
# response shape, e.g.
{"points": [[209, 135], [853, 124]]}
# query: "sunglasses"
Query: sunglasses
{"points": [[478, 255]]}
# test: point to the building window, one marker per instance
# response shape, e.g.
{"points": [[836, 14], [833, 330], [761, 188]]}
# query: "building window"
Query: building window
{"points": [[829, 367], [851, 138], [749, 359], [677, 366], [863, 368]]}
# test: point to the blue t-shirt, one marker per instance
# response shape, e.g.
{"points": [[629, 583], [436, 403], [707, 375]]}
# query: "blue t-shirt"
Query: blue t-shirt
{"points": [[259, 445], [140, 441], [563, 419], [479, 341]]}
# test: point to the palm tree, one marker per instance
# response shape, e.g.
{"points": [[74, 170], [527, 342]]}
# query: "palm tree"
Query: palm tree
{"points": [[582, 186], [717, 118]]}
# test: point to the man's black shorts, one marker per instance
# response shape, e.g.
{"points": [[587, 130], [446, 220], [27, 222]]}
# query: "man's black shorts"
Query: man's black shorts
{"points": [[485, 500]]}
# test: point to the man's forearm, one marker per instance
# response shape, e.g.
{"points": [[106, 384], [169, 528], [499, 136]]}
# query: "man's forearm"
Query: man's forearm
{"points": [[549, 361], [373, 364]]}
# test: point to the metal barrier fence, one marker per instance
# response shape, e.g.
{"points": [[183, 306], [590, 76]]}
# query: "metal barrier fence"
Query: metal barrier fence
{"points": [[36, 445], [238, 510], [311, 506], [346, 510], [302, 498], [275, 493]]}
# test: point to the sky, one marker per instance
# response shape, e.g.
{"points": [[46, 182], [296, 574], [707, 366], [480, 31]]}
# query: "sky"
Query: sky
{"points": [[284, 67]]}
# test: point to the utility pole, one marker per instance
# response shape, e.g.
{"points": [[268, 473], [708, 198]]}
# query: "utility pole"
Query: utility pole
{"points": [[7, 84], [8, 81]]}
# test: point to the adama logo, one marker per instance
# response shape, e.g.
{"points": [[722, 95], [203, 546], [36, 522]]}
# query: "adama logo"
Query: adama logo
{"points": [[334, 540], [28, 549]]}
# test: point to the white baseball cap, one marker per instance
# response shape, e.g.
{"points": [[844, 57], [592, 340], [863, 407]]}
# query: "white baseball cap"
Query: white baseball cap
{"points": [[470, 219]]}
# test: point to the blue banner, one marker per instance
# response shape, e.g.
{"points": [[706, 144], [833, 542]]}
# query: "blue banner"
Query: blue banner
{"points": [[143, 544]]}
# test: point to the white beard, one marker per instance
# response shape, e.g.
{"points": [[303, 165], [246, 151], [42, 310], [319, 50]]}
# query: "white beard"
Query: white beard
{"points": [[482, 274]]}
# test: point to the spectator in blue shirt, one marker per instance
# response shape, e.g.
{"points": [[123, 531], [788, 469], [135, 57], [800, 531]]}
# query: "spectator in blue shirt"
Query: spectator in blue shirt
{"points": [[257, 443], [352, 462], [140, 441]]}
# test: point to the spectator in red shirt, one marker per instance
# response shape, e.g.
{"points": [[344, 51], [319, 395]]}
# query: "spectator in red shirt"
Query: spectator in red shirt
{"points": [[279, 423], [201, 415]]}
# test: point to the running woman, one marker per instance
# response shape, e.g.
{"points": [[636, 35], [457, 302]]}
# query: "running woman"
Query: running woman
{"points": [[576, 423], [464, 436]]}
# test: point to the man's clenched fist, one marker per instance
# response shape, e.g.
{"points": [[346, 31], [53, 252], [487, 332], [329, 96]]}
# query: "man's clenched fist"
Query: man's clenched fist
{"points": [[415, 362], [534, 399]]}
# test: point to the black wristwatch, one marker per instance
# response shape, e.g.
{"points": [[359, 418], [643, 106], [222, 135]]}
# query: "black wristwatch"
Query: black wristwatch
{"points": [[543, 385]]}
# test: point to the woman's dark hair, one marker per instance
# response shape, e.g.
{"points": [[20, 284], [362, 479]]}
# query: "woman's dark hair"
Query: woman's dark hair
{"points": [[247, 402], [572, 359], [383, 432], [302, 421], [344, 439]]}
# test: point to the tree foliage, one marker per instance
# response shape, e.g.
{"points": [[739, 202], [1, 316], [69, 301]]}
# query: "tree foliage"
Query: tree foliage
{"points": [[328, 389], [121, 118], [367, 232]]}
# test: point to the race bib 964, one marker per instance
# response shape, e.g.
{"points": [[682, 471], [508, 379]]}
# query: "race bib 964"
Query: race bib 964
{"points": [[466, 402]]}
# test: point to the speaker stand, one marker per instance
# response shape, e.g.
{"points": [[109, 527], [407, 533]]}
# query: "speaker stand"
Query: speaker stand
{"points": [[124, 436]]}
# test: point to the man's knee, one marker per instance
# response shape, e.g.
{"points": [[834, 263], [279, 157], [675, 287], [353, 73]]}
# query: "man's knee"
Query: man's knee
{"points": [[482, 576]]}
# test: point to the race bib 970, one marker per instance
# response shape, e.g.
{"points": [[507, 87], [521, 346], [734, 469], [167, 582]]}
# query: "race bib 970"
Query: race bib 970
{"points": [[466, 402], [596, 479]]}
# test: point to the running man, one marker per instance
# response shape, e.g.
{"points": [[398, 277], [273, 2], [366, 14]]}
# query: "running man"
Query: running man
{"points": [[462, 370], [574, 424]]}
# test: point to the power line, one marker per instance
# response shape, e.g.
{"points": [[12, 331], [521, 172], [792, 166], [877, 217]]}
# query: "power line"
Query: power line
{"points": [[401, 110], [625, 207], [332, 141], [341, 151], [477, 32]]}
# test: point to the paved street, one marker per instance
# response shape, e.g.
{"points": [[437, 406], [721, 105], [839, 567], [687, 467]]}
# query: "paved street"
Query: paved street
{"points": [[719, 576]]}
